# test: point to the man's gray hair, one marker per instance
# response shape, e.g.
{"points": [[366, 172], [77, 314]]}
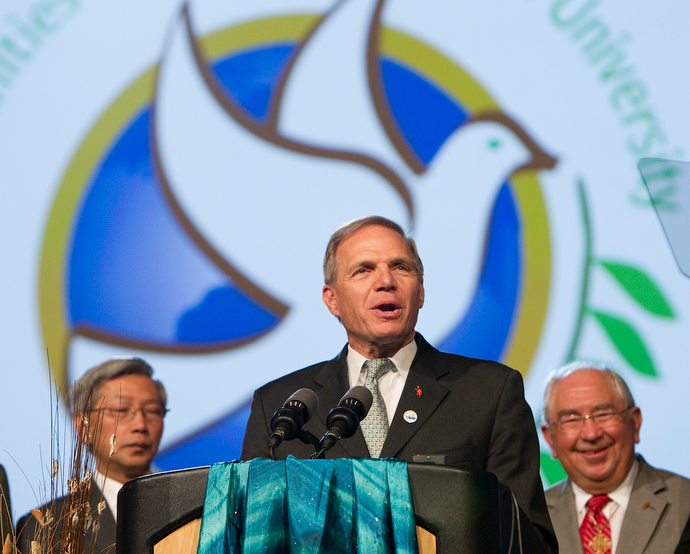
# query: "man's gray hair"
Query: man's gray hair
{"points": [[568, 369], [330, 266], [86, 390]]}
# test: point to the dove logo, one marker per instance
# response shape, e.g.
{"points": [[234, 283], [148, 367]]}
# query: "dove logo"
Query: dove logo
{"points": [[191, 223]]}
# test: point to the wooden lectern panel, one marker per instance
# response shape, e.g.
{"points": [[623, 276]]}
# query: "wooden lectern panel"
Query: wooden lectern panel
{"points": [[185, 540], [426, 541]]}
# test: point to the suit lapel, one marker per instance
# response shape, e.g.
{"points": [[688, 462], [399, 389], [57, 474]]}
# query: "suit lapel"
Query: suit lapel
{"points": [[335, 382], [564, 518], [108, 530], [425, 371], [644, 510], [105, 537]]}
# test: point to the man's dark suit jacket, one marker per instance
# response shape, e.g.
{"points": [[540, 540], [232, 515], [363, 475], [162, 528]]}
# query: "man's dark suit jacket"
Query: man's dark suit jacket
{"points": [[105, 537], [471, 411], [5, 507]]}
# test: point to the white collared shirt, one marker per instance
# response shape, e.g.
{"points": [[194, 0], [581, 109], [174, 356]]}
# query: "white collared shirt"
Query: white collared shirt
{"points": [[110, 488], [391, 384], [614, 510]]}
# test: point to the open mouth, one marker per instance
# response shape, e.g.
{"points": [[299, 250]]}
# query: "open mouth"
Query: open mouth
{"points": [[594, 453], [387, 307]]}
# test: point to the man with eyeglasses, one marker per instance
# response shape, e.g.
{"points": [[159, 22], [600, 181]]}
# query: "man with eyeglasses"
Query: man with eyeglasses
{"points": [[118, 410], [613, 501]]}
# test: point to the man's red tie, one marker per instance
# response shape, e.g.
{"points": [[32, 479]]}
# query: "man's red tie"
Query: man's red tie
{"points": [[595, 530]]}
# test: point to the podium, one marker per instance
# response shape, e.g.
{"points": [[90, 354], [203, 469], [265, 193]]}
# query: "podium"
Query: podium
{"points": [[455, 511]]}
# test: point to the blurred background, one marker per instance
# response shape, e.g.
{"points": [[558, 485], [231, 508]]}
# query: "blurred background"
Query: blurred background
{"points": [[171, 174]]}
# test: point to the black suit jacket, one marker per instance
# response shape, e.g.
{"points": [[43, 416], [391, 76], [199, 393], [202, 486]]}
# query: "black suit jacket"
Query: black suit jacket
{"points": [[471, 411], [105, 537], [5, 507]]}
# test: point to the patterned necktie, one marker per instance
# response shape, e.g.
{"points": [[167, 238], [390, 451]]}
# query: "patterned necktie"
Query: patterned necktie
{"points": [[375, 425], [596, 531]]}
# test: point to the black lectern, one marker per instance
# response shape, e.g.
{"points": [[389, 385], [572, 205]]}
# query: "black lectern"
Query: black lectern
{"points": [[456, 511]]}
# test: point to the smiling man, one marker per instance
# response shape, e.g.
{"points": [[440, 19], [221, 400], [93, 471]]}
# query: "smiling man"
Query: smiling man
{"points": [[462, 412], [613, 501], [118, 409]]}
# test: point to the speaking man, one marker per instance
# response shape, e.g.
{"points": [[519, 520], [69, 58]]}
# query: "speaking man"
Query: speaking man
{"points": [[124, 407], [469, 413], [613, 501]]}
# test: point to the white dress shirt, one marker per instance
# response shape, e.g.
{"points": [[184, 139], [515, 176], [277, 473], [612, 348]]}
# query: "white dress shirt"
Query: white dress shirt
{"points": [[391, 383], [110, 488], [614, 510]]}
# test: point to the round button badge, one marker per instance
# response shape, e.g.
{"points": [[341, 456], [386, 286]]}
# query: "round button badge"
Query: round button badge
{"points": [[410, 416]]}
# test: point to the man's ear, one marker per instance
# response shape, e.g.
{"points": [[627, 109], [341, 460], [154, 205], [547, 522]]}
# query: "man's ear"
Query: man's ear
{"points": [[329, 298], [80, 428], [637, 423], [549, 439]]}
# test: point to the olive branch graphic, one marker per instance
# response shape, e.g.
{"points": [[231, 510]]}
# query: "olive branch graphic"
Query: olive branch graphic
{"points": [[641, 288]]}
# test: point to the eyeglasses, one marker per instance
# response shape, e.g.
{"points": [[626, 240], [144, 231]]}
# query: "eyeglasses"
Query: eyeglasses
{"points": [[572, 424], [125, 414]]}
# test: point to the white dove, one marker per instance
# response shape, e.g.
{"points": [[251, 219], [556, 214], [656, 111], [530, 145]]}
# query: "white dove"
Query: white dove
{"points": [[263, 200]]}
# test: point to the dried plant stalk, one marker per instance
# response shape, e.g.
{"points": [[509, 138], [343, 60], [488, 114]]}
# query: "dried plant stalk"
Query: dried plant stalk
{"points": [[68, 527]]}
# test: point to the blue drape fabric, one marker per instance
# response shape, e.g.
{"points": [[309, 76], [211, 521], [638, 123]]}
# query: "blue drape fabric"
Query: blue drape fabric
{"points": [[308, 507]]}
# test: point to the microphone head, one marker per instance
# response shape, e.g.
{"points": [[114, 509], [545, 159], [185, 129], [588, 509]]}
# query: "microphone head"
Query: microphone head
{"points": [[307, 398], [358, 398], [294, 414], [352, 408]]}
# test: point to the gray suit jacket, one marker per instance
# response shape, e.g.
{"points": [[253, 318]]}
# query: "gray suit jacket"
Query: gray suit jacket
{"points": [[473, 412], [657, 512]]}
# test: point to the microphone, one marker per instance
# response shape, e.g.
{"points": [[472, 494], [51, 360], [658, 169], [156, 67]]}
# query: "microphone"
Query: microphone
{"points": [[288, 421], [343, 420]]}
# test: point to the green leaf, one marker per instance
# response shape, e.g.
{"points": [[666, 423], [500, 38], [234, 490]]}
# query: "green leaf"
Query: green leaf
{"points": [[628, 343], [552, 471], [641, 288]]}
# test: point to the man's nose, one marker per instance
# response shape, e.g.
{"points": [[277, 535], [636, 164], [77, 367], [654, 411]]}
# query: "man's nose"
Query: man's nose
{"points": [[385, 279], [590, 430], [139, 421]]}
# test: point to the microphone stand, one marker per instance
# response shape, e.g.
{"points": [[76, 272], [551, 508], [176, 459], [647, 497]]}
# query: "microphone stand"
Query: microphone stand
{"points": [[306, 437], [319, 454]]}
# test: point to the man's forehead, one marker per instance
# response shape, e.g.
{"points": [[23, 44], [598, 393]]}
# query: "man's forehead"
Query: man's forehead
{"points": [[365, 241], [604, 406], [390, 257], [585, 388]]}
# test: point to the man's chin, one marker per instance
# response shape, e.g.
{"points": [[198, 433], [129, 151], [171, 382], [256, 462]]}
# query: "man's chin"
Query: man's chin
{"points": [[598, 474], [392, 331], [135, 462]]}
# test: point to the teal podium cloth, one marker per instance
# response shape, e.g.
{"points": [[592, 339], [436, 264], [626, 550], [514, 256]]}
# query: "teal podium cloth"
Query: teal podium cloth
{"points": [[308, 507]]}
